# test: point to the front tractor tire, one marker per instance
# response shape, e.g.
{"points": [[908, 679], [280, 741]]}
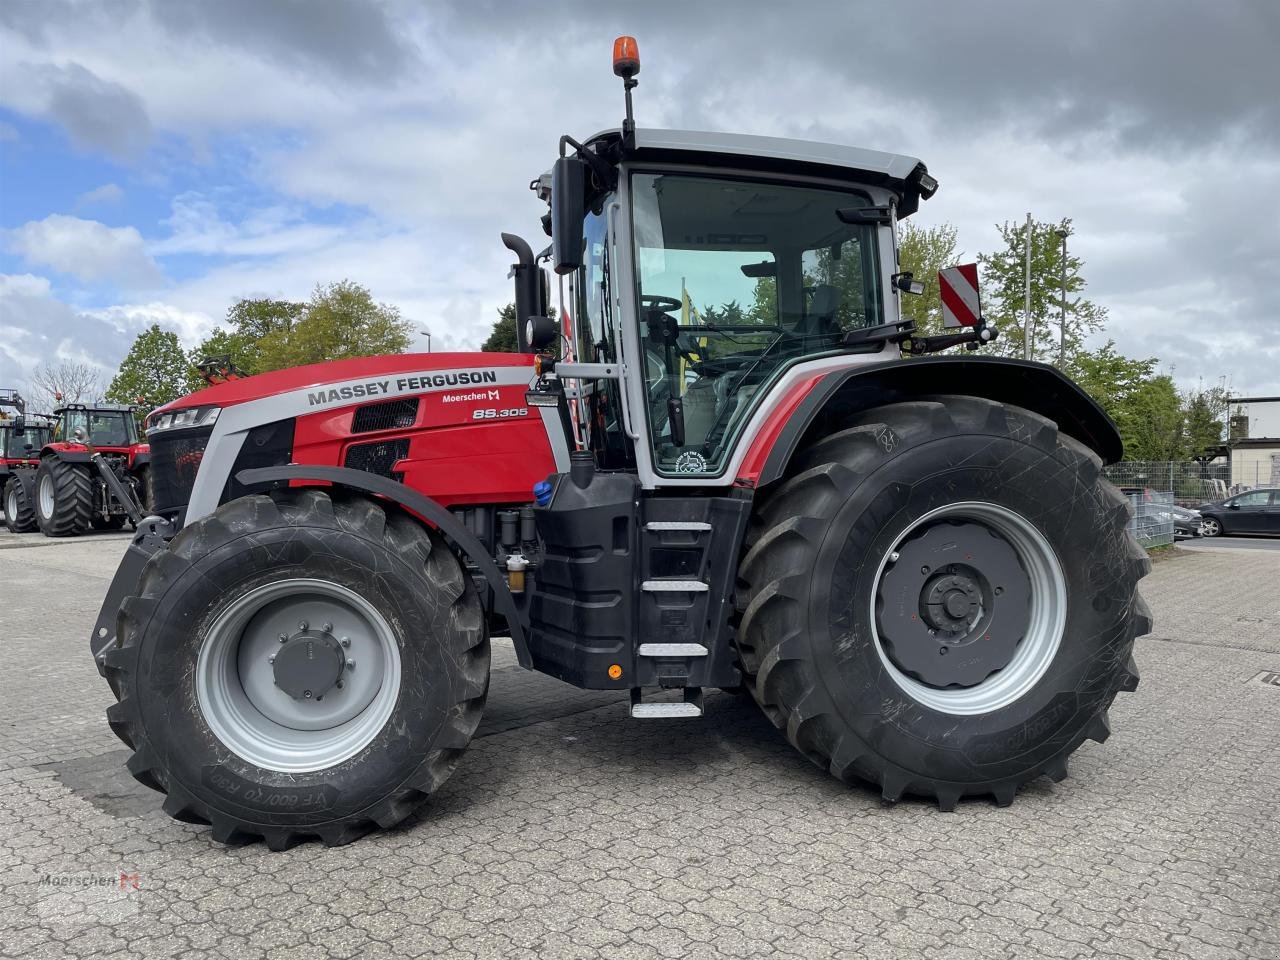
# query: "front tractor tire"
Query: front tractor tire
{"points": [[304, 665], [941, 600], [64, 498], [19, 515]]}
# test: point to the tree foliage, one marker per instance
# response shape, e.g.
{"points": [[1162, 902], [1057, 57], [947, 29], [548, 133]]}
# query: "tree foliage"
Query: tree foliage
{"points": [[1003, 292], [154, 371], [923, 251], [340, 321], [247, 323], [502, 338]]}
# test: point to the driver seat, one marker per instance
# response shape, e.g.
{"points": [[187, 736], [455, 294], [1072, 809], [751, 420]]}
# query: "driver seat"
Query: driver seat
{"points": [[823, 303]]}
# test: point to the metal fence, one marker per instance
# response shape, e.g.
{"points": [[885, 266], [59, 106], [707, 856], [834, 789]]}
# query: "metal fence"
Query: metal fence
{"points": [[1152, 521], [1194, 483]]}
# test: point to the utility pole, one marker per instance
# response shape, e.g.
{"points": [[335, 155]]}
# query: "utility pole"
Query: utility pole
{"points": [[427, 334], [1026, 310], [1062, 307]]}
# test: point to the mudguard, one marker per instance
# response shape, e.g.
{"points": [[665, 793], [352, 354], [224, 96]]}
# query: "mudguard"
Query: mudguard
{"points": [[1034, 386]]}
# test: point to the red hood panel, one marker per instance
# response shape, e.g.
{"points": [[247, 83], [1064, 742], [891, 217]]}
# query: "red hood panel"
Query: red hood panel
{"points": [[317, 374]]}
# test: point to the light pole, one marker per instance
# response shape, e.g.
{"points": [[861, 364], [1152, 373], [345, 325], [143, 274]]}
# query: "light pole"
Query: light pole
{"points": [[1026, 309], [427, 334], [1063, 233]]}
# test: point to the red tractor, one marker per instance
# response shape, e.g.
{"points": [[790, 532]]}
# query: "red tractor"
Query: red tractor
{"points": [[71, 491], [22, 435], [717, 470]]}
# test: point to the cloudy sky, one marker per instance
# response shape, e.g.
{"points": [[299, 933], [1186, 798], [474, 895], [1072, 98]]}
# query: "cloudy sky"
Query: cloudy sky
{"points": [[160, 160]]}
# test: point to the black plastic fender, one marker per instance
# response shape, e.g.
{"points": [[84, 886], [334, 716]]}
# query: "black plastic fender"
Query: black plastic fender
{"points": [[1037, 387], [424, 507]]}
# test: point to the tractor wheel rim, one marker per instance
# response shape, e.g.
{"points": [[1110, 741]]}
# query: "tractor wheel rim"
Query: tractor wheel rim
{"points": [[298, 675], [11, 505], [1041, 624], [46, 496]]}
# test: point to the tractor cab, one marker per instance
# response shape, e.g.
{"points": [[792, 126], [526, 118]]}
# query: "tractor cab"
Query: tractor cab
{"points": [[701, 271], [109, 427], [712, 274]]}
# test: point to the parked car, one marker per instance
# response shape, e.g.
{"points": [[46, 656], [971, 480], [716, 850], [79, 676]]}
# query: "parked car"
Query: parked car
{"points": [[1255, 511], [1186, 522]]}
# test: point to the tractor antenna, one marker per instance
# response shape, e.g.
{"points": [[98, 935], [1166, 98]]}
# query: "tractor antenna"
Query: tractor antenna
{"points": [[626, 64]]}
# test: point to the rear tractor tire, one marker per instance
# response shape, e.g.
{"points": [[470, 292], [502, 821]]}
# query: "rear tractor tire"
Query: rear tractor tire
{"points": [[305, 665], [64, 498], [19, 515], [941, 600]]}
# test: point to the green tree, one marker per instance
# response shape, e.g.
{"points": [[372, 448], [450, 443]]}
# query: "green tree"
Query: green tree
{"points": [[1003, 292], [248, 322], [1144, 404], [923, 251], [154, 372], [1204, 414], [340, 321], [502, 339]]}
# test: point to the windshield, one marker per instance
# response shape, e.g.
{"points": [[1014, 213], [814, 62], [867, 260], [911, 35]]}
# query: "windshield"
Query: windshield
{"points": [[738, 279], [14, 444], [105, 428]]}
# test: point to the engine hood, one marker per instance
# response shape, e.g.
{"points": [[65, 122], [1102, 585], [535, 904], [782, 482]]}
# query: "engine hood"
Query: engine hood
{"points": [[318, 375]]}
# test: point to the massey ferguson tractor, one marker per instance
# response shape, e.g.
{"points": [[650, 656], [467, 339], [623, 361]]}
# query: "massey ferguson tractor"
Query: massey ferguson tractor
{"points": [[22, 435], [92, 472], [729, 463]]}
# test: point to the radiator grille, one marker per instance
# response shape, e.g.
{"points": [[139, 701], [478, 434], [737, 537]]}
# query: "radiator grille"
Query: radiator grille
{"points": [[391, 415], [175, 461], [377, 458]]}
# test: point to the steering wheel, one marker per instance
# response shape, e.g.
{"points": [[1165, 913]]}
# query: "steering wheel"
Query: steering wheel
{"points": [[651, 301]]}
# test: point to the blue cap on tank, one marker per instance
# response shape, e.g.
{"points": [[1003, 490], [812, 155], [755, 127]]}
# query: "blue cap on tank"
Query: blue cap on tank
{"points": [[542, 491]]}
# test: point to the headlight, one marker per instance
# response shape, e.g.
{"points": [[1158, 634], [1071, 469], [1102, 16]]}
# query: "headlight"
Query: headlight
{"points": [[178, 419]]}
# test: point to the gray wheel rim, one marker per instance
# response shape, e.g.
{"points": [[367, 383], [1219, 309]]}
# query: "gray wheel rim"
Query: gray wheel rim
{"points": [[11, 505], [1047, 621], [45, 497], [1209, 528], [259, 722]]}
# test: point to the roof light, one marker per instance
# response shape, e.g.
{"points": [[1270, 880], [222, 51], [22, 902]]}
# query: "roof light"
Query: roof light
{"points": [[626, 57]]}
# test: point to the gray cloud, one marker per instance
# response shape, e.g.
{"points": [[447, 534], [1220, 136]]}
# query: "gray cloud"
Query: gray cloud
{"points": [[97, 113], [350, 39]]}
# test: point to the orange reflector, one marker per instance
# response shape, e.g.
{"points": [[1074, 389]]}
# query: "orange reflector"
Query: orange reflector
{"points": [[615, 671], [626, 57]]}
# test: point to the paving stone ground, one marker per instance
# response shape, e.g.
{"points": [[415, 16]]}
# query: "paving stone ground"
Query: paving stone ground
{"points": [[571, 831]]}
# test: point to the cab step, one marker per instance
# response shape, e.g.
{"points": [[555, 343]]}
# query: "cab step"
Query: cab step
{"points": [[690, 706], [671, 650]]}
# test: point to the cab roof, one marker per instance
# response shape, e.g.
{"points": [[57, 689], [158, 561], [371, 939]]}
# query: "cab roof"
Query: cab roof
{"points": [[898, 172]]}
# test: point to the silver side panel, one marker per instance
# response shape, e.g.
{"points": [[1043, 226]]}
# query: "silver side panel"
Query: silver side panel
{"points": [[554, 425], [235, 421]]}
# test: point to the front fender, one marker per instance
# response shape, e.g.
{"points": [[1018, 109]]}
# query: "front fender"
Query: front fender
{"points": [[422, 506], [1035, 386]]}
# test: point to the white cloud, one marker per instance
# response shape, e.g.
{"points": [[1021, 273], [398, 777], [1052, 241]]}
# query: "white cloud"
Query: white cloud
{"points": [[86, 249], [198, 227], [107, 193]]}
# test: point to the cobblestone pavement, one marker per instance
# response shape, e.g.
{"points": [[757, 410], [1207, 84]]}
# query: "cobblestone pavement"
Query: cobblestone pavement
{"points": [[570, 830]]}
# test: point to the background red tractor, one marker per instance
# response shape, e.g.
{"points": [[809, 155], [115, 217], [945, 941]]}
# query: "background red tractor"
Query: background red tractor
{"points": [[914, 565], [22, 436], [69, 491]]}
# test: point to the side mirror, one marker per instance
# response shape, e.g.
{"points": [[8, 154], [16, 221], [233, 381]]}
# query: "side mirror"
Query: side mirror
{"points": [[541, 332], [568, 207]]}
